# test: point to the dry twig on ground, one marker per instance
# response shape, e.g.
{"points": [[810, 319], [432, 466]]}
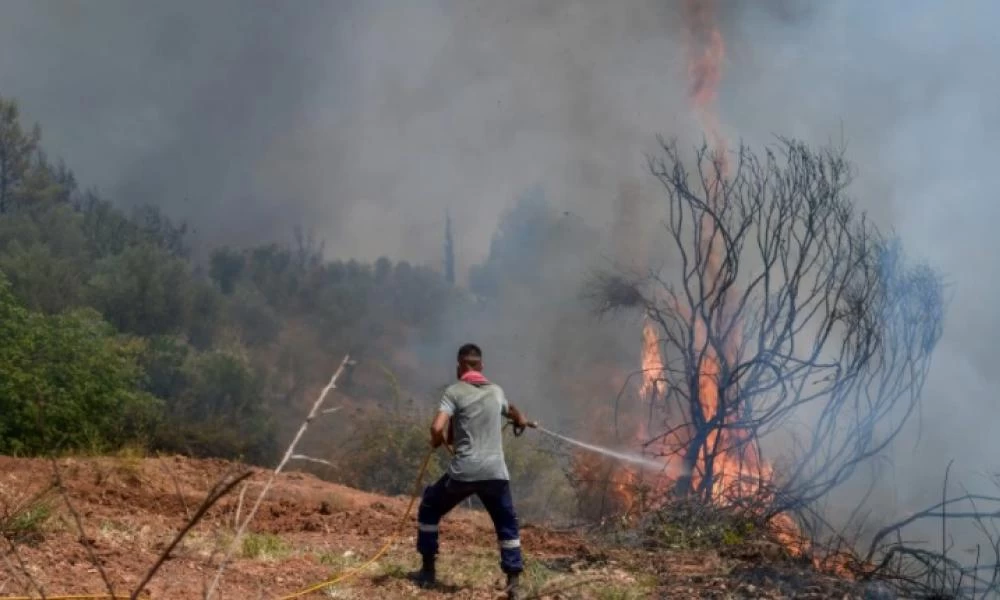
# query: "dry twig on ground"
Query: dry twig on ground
{"points": [[220, 489], [84, 540], [916, 570]]}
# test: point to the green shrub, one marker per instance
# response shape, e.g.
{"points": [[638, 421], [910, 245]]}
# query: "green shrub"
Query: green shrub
{"points": [[215, 407], [539, 483], [68, 382], [691, 523], [388, 455], [144, 290]]}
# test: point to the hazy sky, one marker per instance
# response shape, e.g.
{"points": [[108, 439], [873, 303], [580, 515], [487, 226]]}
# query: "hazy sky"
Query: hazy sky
{"points": [[365, 120]]}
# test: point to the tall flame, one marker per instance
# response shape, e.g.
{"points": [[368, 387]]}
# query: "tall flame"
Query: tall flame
{"points": [[653, 383], [730, 458], [736, 468], [727, 456], [706, 51]]}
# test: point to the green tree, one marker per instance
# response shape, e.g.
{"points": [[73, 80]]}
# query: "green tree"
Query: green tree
{"points": [[144, 290], [162, 360], [220, 410], [67, 382], [258, 323], [44, 254], [226, 268], [106, 229], [44, 184], [17, 147], [205, 318]]}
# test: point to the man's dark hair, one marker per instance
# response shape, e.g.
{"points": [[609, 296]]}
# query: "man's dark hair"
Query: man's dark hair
{"points": [[469, 351]]}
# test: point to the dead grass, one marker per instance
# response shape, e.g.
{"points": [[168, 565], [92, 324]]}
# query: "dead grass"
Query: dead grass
{"points": [[203, 544], [124, 534], [480, 571], [24, 519], [264, 546], [339, 561]]}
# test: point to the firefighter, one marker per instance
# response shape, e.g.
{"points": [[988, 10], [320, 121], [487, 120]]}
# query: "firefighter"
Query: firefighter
{"points": [[472, 411]]}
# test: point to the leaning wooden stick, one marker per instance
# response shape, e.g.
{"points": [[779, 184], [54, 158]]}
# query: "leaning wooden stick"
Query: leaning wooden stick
{"points": [[220, 489], [274, 474]]}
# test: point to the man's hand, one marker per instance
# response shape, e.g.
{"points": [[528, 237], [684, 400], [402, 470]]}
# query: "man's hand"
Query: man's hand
{"points": [[519, 420], [438, 429]]}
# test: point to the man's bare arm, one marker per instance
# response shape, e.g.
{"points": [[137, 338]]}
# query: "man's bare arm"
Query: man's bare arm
{"points": [[438, 429], [515, 415]]}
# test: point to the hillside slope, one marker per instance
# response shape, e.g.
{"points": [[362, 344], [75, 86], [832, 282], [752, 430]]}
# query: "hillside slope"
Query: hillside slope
{"points": [[309, 530]]}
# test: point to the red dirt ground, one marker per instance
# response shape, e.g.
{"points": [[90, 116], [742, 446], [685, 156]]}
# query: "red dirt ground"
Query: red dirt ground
{"points": [[131, 508]]}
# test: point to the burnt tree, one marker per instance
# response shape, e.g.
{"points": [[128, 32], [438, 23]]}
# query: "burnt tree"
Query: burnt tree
{"points": [[780, 309]]}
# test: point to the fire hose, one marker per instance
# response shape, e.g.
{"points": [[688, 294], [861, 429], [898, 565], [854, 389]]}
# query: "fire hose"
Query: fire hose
{"points": [[385, 547]]}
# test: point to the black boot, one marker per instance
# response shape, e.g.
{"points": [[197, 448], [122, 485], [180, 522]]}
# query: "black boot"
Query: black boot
{"points": [[513, 586], [426, 577]]}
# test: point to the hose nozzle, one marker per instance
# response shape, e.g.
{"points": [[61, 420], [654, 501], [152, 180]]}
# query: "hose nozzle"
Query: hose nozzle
{"points": [[519, 429]]}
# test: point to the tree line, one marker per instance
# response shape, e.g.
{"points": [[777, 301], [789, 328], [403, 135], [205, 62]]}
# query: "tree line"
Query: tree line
{"points": [[114, 334]]}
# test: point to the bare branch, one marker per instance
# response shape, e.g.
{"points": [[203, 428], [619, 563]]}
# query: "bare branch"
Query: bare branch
{"points": [[219, 490], [783, 304], [23, 568], [303, 457], [317, 406], [84, 540]]}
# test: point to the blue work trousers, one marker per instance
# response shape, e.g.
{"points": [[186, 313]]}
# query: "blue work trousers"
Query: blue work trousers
{"points": [[447, 493]]}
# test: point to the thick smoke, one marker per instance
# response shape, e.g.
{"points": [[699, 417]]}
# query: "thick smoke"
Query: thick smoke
{"points": [[366, 120], [905, 87]]}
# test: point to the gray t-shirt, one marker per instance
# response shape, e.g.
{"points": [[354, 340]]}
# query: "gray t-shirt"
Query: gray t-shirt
{"points": [[477, 418]]}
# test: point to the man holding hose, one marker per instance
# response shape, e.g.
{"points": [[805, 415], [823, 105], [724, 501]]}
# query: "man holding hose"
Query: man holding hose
{"points": [[476, 409]]}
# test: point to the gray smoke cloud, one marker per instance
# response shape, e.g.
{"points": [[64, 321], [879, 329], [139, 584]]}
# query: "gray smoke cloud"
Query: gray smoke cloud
{"points": [[352, 118], [364, 121], [906, 86]]}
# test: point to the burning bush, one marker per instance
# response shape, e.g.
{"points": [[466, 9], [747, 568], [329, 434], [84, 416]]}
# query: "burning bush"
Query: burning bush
{"points": [[780, 303], [785, 305]]}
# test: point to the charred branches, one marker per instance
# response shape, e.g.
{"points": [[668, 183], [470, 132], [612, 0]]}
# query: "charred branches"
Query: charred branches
{"points": [[781, 304]]}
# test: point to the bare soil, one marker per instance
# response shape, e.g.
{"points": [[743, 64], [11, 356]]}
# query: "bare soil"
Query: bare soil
{"points": [[308, 531]]}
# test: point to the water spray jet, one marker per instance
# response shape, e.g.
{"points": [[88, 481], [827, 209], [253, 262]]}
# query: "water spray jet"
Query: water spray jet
{"points": [[638, 460]]}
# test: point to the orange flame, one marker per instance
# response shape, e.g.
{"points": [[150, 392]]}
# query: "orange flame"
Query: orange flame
{"points": [[737, 467], [730, 455], [706, 51], [653, 382]]}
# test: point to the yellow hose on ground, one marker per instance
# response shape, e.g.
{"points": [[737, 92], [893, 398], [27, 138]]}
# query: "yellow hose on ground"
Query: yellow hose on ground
{"points": [[80, 597], [313, 588], [385, 547]]}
